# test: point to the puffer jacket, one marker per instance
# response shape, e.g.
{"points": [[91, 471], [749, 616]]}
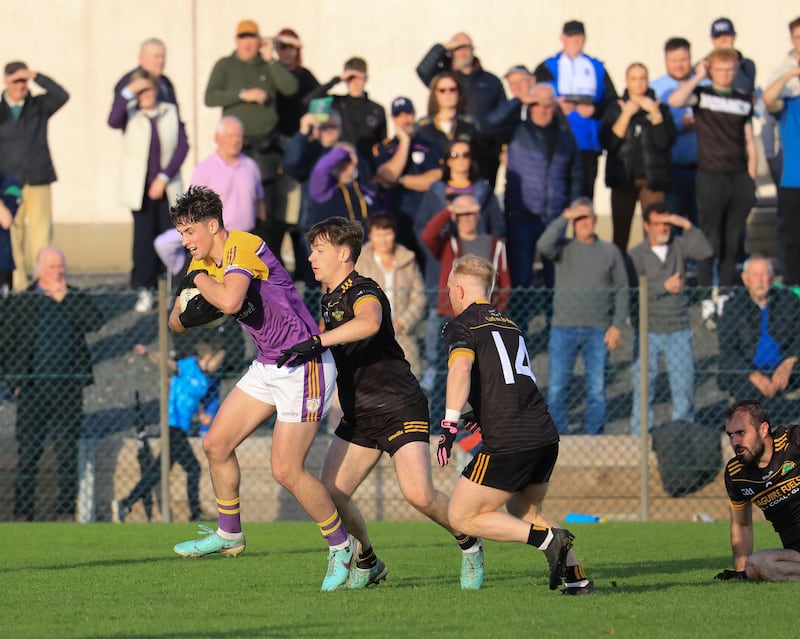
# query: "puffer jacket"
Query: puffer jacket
{"points": [[536, 183], [642, 141]]}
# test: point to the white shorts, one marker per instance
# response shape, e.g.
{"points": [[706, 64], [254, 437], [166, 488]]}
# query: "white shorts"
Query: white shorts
{"points": [[299, 393]]}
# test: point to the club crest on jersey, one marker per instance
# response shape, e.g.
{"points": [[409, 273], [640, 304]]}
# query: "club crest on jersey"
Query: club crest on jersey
{"points": [[337, 315], [313, 404], [787, 467]]}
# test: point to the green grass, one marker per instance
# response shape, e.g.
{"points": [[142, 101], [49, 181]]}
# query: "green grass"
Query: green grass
{"points": [[102, 580]]}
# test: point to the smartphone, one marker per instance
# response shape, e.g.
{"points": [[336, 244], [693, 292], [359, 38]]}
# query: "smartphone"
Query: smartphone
{"points": [[321, 108]]}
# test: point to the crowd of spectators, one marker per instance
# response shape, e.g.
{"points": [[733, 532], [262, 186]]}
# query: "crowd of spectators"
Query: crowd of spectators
{"points": [[292, 152]]}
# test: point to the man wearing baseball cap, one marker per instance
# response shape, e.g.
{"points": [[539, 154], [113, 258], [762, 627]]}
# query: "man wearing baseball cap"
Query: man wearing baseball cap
{"points": [[246, 84], [583, 91], [723, 36], [407, 166]]}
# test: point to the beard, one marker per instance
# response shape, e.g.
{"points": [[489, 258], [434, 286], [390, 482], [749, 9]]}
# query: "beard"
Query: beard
{"points": [[748, 457]]}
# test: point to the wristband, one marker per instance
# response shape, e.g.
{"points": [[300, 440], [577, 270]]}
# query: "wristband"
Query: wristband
{"points": [[452, 415]]}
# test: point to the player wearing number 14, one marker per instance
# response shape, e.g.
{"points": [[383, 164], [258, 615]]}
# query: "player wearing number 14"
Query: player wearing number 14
{"points": [[489, 366]]}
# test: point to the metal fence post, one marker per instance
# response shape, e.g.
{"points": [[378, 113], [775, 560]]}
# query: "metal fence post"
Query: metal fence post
{"points": [[87, 496], [644, 419], [163, 347]]}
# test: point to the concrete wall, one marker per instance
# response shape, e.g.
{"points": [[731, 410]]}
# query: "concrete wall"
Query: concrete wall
{"points": [[86, 45]]}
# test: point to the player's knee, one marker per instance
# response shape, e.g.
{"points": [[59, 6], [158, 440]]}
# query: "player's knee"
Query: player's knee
{"points": [[754, 569], [215, 449], [286, 475], [422, 500]]}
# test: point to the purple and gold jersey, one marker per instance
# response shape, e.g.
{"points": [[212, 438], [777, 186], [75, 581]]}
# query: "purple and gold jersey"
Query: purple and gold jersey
{"points": [[503, 391], [775, 489], [273, 311]]}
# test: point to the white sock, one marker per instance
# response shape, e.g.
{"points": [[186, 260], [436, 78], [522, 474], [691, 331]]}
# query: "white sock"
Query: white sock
{"points": [[229, 536]]}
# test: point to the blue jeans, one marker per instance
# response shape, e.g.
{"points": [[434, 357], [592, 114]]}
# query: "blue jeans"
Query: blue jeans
{"points": [[565, 342], [679, 358]]}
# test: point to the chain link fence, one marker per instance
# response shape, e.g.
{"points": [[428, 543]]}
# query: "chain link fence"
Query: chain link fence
{"points": [[671, 471]]}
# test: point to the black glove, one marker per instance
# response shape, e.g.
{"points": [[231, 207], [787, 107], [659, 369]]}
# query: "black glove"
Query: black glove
{"points": [[727, 575], [198, 312], [471, 422], [188, 279], [448, 436], [301, 351]]}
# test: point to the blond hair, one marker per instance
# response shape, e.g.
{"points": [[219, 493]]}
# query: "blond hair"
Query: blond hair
{"points": [[470, 265]]}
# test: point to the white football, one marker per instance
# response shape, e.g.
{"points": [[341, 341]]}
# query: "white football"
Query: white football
{"points": [[186, 295]]}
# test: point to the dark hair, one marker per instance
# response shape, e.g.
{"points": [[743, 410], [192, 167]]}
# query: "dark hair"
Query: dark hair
{"points": [[758, 413], [794, 24], [356, 64], [655, 207], [198, 204], [433, 105], [474, 171], [673, 44], [381, 220], [339, 232]]}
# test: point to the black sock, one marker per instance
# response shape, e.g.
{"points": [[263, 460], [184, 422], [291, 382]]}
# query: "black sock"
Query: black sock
{"points": [[537, 535], [465, 541], [575, 573], [367, 559]]}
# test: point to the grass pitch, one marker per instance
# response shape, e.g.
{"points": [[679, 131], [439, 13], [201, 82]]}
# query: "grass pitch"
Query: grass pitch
{"points": [[104, 580]]}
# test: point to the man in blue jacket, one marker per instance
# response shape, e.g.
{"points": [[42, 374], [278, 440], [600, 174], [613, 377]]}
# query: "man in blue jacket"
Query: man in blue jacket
{"points": [[584, 89]]}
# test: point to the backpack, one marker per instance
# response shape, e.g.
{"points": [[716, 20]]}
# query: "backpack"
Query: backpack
{"points": [[688, 454]]}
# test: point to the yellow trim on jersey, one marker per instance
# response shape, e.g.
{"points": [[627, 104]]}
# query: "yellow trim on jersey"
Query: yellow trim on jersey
{"points": [[479, 468], [365, 298], [239, 252], [461, 352]]}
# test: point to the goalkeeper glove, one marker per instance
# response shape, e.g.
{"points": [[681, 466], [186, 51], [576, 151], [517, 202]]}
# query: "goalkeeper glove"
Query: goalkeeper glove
{"points": [[445, 448], [198, 312], [300, 351], [727, 575]]}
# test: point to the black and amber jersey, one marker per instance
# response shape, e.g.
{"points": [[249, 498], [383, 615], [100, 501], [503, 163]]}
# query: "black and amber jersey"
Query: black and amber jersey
{"points": [[775, 489], [503, 391], [373, 374]]}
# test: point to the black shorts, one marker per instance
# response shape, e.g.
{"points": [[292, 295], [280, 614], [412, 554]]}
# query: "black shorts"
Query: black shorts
{"points": [[513, 472], [390, 431]]}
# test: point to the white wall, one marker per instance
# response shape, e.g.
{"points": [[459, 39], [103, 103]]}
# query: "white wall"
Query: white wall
{"points": [[86, 45]]}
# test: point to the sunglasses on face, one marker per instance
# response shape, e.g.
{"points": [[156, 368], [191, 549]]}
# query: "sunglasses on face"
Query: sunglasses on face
{"points": [[447, 90], [282, 46], [463, 154]]}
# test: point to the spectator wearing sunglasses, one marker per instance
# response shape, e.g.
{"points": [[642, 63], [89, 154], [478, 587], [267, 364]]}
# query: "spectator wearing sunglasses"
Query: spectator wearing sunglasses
{"points": [[447, 118], [26, 157]]}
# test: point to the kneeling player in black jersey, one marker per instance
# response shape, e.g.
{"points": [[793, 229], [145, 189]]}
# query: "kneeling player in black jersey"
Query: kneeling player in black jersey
{"points": [[384, 408], [765, 472], [488, 365]]}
